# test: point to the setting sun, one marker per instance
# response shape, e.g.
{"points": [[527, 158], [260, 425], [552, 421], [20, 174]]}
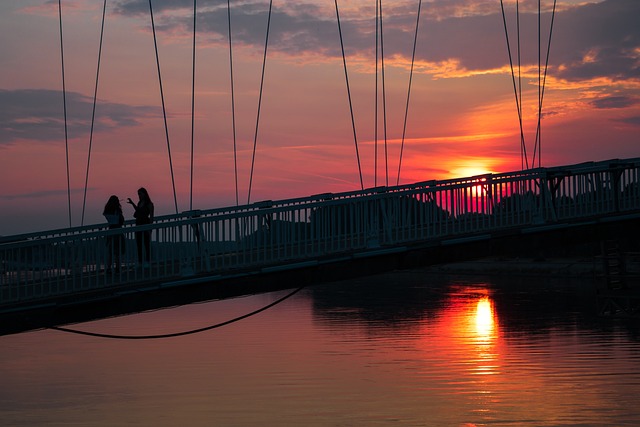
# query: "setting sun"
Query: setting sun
{"points": [[461, 119], [473, 167]]}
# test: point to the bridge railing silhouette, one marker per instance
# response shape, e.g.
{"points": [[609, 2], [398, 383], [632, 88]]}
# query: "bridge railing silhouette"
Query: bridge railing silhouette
{"points": [[275, 235]]}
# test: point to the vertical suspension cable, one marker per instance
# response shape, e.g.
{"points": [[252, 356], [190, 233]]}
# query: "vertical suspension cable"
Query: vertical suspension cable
{"points": [[346, 75], [519, 77], [406, 110], [538, 135], [375, 121], [544, 80], [233, 104], [515, 90], [164, 111], [64, 107], [384, 102], [93, 112], [255, 136], [193, 101]]}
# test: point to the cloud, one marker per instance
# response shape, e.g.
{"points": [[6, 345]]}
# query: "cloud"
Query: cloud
{"points": [[137, 7], [309, 30], [634, 121], [589, 40], [599, 40], [614, 102], [38, 114], [38, 194], [295, 28]]}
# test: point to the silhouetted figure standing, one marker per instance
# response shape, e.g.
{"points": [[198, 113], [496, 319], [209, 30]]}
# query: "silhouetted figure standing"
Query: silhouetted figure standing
{"points": [[143, 215], [115, 243]]}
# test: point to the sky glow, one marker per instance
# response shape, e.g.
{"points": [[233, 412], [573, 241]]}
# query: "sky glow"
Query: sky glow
{"points": [[462, 117]]}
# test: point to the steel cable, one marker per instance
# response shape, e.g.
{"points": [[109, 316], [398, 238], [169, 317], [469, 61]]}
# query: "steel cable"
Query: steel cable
{"points": [[515, 90], [193, 102], [93, 113], [538, 144], [64, 106], [233, 104], [346, 75], [384, 102], [255, 136], [406, 111], [375, 115], [177, 334], [164, 110]]}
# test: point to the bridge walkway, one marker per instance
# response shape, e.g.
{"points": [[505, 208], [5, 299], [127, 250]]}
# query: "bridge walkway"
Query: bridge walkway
{"points": [[344, 232]]}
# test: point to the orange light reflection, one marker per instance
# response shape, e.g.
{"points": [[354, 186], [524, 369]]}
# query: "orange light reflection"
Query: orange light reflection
{"points": [[467, 336], [484, 318], [485, 336]]}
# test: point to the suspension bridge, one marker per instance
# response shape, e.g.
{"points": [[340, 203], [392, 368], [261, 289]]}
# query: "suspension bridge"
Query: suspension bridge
{"points": [[281, 244], [66, 275]]}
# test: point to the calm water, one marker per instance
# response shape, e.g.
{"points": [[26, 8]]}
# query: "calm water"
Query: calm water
{"points": [[408, 349]]}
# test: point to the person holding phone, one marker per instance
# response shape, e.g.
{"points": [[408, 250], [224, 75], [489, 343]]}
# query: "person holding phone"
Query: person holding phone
{"points": [[143, 213]]}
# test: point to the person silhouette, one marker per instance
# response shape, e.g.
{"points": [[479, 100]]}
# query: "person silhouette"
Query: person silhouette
{"points": [[115, 243], [143, 213]]}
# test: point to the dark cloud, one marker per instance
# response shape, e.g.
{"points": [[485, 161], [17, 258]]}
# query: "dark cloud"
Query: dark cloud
{"points": [[588, 41], [614, 102], [599, 40], [294, 28], [138, 7], [635, 121], [38, 114], [37, 194]]}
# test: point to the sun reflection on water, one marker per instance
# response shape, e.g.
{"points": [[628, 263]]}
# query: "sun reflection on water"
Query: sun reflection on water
{"points": [[468, 333], [483, 336], [471, 337], [484, 319]]}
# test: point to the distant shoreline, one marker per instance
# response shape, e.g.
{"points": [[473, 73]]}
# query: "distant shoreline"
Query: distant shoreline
{"points": [[557, 266]]}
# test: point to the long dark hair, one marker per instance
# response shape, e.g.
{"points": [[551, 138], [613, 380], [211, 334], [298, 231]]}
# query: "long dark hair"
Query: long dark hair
{"points": [[144, 194], [112, 206]]}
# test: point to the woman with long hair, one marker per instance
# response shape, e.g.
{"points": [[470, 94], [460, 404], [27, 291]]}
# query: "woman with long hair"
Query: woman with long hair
{"points": [[115, 243], [143, 213]]}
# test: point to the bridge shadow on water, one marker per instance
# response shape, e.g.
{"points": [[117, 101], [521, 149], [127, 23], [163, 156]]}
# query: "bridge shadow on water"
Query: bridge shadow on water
{"points": [[521, 303]]}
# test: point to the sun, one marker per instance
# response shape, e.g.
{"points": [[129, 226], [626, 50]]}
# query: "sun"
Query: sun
{"points": [[472, 169]]}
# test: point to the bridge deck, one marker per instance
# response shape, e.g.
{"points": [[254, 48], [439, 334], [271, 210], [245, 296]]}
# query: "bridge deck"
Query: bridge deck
{"points": [[240, 249]]}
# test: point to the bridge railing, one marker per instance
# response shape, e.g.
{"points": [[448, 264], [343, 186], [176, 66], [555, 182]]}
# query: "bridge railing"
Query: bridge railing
{"points": [[272, 235]]}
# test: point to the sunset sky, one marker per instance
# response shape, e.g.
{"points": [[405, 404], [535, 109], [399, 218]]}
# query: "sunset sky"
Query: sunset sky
{"points": [[462, 116]]}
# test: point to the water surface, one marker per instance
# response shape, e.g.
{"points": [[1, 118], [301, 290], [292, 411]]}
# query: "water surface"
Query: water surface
{"points": [[406, 348]]}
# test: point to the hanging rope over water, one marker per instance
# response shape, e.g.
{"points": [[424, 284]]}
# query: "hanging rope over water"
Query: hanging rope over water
{"points": [[346, 75], [93, 113], [406, 110], [164, 111], [64, 106], [177, 334], [233, 104], [255, 136]]}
